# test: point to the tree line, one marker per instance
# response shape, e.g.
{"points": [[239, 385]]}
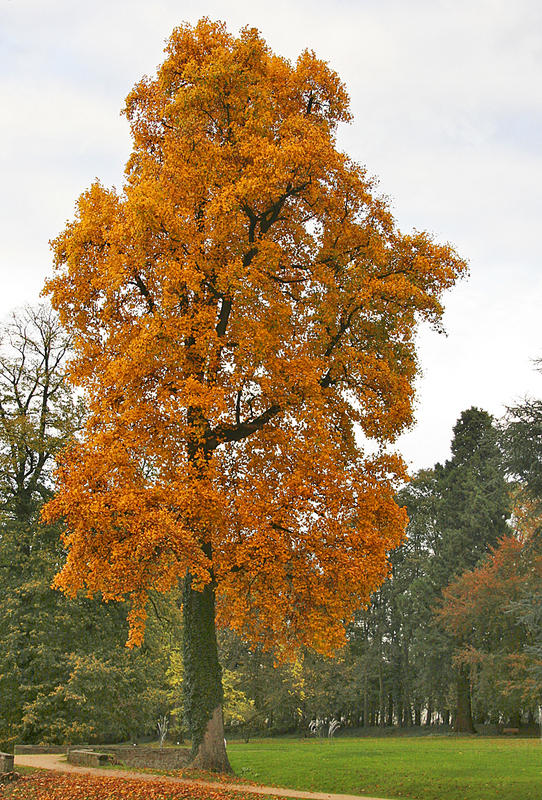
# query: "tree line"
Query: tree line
{"points": [[453, 637]]}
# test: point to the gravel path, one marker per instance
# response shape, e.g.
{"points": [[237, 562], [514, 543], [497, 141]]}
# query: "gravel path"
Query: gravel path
{"points": [[57, 762]]}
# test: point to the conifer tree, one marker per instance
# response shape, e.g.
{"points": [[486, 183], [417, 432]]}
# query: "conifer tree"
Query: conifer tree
{"points": [[474, 508]]}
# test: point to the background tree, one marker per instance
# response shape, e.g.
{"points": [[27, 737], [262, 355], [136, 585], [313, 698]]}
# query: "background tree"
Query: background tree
{"points": [[237, 311], [476, 613], [38, 413], [432, 617], [475, 495], [522, 443], [521, 432], [415, 658], [527, 667], [37, 417], [474, 508], [456, 513], [395, 640], [64, 673]]}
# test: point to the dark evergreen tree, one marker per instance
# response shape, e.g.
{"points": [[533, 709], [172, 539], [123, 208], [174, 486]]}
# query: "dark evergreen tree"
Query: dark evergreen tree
{"points": [[521, 434], [457, 512], [473, 511], [522, 443], [413, 668], [474, 496]]}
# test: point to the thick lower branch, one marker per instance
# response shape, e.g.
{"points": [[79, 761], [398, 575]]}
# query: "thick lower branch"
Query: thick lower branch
{"points": [[236, 433]]}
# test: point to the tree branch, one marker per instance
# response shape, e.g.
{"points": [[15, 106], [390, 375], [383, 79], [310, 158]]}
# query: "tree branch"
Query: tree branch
{"points": [[144, 291], [223, 317], [343, 327], [236, 433]]}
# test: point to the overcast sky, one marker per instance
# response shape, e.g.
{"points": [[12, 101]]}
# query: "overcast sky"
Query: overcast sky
{"points": [[447, 103]]}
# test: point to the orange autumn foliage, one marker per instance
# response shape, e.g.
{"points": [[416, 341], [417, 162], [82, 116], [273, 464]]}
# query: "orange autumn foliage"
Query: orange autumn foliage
{"points": [[477, 608], [43, 785], [239, 310], [474, 605]]}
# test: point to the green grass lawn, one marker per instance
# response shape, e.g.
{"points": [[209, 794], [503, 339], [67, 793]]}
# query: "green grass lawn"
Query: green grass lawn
{"points": [[417, 768]]}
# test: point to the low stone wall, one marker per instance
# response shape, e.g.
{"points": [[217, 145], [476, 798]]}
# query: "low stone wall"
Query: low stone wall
{"points": [[39, 749], [6, 762], [152, 757], [89, 758], [139, 756]]}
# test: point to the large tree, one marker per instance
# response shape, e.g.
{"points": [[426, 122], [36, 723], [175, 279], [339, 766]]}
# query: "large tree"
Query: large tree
{"points": [[238, 311]]}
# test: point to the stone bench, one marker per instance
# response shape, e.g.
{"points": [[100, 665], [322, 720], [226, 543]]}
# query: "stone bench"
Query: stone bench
{"points": [[88, 758], [6, 762]]}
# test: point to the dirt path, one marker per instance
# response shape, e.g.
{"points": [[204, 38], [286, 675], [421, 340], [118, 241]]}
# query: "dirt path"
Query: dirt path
{"points": [[58, 763]]}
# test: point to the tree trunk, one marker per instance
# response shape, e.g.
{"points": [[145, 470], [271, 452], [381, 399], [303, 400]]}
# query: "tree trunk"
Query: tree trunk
{"points": [[400, 711], [381, 700], [390, 710], [463, 718], [365, 701], [514, 720], [202, 685]]}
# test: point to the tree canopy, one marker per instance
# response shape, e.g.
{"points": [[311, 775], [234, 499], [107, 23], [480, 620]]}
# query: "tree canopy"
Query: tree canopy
{"points": [[235, 311]]}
